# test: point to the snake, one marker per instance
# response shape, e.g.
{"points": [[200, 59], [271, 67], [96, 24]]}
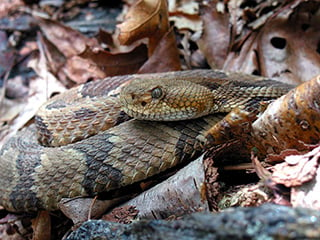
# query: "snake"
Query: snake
{"points": [[108, 134]]}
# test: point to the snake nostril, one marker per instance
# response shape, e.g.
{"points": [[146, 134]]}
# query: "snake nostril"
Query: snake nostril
{"points": [[143, 103], [133, 96]]}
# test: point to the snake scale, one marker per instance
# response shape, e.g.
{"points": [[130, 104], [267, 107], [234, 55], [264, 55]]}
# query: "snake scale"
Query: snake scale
{"points": [[37, 176]]}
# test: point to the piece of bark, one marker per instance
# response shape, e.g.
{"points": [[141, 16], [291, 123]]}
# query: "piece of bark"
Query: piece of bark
{"points": [[80, 210], [178, 195], [124, 214], [290, 122], [265, 222]]}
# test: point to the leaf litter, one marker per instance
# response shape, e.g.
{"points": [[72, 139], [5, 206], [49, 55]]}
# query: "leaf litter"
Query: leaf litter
{"points": [[277, 39]]}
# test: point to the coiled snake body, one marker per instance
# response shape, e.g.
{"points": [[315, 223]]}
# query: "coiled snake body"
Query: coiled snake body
{"points": [[35, 177]]}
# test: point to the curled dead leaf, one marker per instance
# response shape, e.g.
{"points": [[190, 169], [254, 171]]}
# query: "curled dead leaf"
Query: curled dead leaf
{"points": [[277, 158], [302, 174], [297, 169], [111, 64], [146, 18], [261, 171]]}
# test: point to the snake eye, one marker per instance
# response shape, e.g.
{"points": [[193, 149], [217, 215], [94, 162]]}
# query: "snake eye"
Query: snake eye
{"points": [[156, 93]]}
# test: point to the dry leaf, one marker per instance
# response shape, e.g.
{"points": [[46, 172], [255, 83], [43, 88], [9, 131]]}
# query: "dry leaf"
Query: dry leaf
{"points": [[246, 59], [186, 7], [69, 41], [214, 42], [185, 16], [261, 171], [297, 169], [7, 54], [288, 46], [90, 64], [116, 64], [81, 70], [53, 59], [285, 48], [16, 87], [9, 5], [301, 173], [146, 18], [277, 158], [10, 109], [307, 195], [41, 226], [105, 37], [165, 57], [190, 23]]}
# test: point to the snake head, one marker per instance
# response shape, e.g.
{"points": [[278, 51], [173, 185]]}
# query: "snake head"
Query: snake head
{"points": [[165, 100]]}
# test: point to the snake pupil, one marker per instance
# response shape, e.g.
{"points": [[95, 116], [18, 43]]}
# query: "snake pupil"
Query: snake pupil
{"points": [[143, 103], [156, 93]]}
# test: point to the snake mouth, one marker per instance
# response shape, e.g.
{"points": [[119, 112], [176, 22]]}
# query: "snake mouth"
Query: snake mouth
{"points": [[163, 114], [147, 108]]}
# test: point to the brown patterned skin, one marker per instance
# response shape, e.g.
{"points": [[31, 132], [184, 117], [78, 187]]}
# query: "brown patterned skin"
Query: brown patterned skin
{"points": [[81, 112], [35, 177]]}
